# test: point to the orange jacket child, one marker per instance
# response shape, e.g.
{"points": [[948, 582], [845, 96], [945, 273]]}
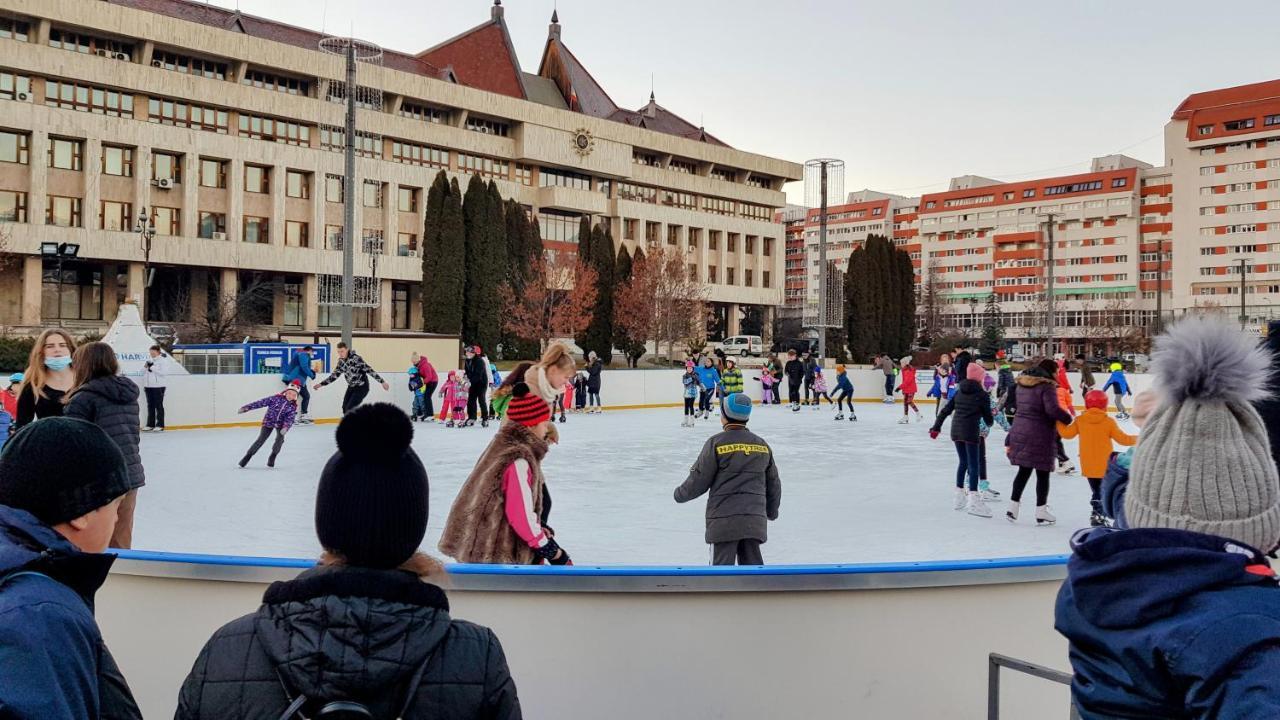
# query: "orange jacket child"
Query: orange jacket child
{"points": [[1064, 399], [1096, 430]]}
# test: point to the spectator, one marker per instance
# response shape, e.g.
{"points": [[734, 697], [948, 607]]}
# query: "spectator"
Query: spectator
{"points": [[594, 368], [61, 484], [155, 370], [1177, 616], [47, 378], [366, 626], [107, 399], [430, 380], [299, 371]]}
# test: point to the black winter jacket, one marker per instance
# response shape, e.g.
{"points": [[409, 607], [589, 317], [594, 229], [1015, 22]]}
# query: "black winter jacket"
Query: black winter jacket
{"points": [[736, 470], [970, 404], [477, 372], [339, 633], [795, 371], [593, 376], [111, 403], [1269, 406]]}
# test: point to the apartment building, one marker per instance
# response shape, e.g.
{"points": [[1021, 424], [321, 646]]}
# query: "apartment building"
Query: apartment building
{"points": [[224, 129], [794, 219]]}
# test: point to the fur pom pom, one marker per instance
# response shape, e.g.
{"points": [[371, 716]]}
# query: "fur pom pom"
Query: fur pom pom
{"points": [[374, 432], [1208, 359]]}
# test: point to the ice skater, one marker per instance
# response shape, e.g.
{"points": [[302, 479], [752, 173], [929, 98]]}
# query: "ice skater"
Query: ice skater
{"points": [[299, 368], [969, 408], [1005, 389], [356, 371], [1096, 430], [820, 389], [844, 394], [885, 364], [453, 408], [594, 367], [476, 369], [908, 387], [580, 392], [691, 388], [1032, 438], [282, 411], [418, 390], [767, 384], [737, 473], [942, 378], [794, 370], [1120, 386], [709, 377]]}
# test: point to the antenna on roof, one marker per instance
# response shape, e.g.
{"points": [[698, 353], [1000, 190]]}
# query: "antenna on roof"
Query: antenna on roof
{"points": [[324, 16]]}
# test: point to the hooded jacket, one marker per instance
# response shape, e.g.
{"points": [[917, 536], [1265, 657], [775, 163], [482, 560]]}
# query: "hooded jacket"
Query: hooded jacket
{"points": [[794, 370], [843, 383], [345, 633], [299, 368], [970, 406], [1096, 430], [732, 380], [111, 403], [1170, 624], [708, 376], [281, 413], [908, 382], [55, 662], [736, 468], [1269, 406], [1031, 440], [1117, 381]]}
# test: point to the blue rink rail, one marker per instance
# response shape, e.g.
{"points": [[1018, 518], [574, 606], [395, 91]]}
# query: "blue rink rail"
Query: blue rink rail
{"points": [[635, 578]]}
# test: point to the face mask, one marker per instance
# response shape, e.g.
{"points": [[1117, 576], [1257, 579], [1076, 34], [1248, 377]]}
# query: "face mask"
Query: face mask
{"points": [[58, 363]]}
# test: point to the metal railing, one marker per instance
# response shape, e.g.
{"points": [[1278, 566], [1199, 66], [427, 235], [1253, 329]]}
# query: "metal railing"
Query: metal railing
{"points": [[995, 661]]}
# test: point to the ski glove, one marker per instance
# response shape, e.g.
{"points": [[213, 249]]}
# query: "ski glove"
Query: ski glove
{"points": [[933, 434], [548, 552]]}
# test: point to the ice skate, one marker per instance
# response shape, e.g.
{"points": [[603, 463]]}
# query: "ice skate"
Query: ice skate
{"points": [[1012, 513], [561, 417], [305, 420], [271, 462], [961, 499], [1097, 519], [430, 418], [795, 407], [1066, 468], [449, 424], [919, 417], [159, 429], [977, 506], [244, 461], [853, 417], [987, 493], [904, 420], [1122, 416], [1043, 516], [484, 423], [840, 416]]}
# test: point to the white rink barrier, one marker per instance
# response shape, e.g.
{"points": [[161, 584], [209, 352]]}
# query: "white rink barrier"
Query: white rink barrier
{"points": [[193, 401], [900, 640]]}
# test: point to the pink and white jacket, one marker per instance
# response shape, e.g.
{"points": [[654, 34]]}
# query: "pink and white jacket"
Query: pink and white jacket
{"points": [[517, 487]]}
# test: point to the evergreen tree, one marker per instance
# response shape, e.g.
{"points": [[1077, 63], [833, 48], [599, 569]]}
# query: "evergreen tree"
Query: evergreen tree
{"points": [[992, 329], [431, 258], [584, 258], [906, 302], [524, 251], [879, 300], [475, 211], [444, 265], [598, 335]]}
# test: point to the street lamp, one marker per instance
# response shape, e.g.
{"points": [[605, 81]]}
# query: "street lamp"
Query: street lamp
{"points": [[973, 319], [59, 252], [146, 230], [1244, 272]]}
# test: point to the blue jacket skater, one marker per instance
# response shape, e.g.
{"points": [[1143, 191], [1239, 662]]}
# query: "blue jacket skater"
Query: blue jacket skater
{"points": [[1170, 624], [843, 382], [1119, 381], [708, 376], [299, 368]]}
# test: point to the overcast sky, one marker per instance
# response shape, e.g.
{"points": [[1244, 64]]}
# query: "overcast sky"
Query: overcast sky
{"points": [[907, 93]]}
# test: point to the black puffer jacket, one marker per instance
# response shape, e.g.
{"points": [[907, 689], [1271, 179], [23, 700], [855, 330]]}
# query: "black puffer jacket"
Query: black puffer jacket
{"points": [[1269, 406], [970, 404], [351, 634], [593, 375], [111, 403]]}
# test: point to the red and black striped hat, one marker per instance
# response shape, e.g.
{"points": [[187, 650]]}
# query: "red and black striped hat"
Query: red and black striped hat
{"points": [[526, 408]]}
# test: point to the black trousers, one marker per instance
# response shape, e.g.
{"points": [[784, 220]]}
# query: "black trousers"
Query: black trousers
{"points": [[844, 396], [429, 392], [354, 396], [476, 404], [155, 406], [1020, 484], [808, 387], [688, 405], [263, 434], [305, 394], [740, 552], [704, 399], [793, 391], [888, 385]]}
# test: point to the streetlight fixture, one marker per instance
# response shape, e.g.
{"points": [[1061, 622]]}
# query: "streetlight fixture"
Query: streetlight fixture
{"points": [[1049, 277], [1244, 272], [973, 319], [146, 229], [59, 252]]}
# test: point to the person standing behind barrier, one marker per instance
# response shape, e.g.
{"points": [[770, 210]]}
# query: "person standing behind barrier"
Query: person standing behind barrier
{"points": [[155, 372], [368, 625], [430, 381], [61, 484], [794, 370], [47, 379], [1177, 616], [300, 371], [885, 365], [594, 368], [356, 371], [737, 472], [109, 400]]}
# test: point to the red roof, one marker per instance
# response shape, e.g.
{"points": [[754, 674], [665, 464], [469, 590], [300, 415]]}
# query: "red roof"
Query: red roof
{"points": [[1225, 97], [481, 57]]}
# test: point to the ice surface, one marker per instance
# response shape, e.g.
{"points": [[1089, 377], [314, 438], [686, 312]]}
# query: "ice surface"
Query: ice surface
{"points": [[870, 491]]}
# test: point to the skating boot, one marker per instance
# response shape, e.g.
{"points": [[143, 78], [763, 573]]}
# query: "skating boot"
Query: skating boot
{"points": [[988, 495], [271, 462], [961, 499], [1097, 519], [484, 423], [977, 506], [840, 416], [430, 418], [449, 424], [1043, 516], [1012, 513], [561, 417], [1122, 416], [904, 420], [795, 407], [1066, 468], [853, 416], [919, 417]]}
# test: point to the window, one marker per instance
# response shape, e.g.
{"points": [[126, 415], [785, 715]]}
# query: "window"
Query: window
{"points": [[116, 160], [76, 294], [407, 199], [728, 276], [12, 85], [554, 226], [414, 154], [685, 200], [211, 223], [213, 173], [746, 278], [63, 212], [278, 83], [366, 98], [488, 127], [296, 234], [1029, 193], [524, 175], [563, 178], [751, 244], [273, 130], [14, 29], [167, 221], [718, 206], [711, 274], [764, 279], [759, 181], [424, 113], [13, 206], [257, 179], [644, 158], [406, 244], [85, 98], [331, 315], [333, 189], [65, 154], [292, 304], [720, 173], [175, 62], [1119, 182], [90, 45], [732, 245], [604, 187], [1073, 187], [1205, 129], [682, 166], [255, 229], [297, 184], [183, 114], [166, 166], [15, 147], [484, 166], [768, 248], [332, 237], [372, 197], [1244, 124], [117, 216], [757, 212], [399, 306], [637, 193]]}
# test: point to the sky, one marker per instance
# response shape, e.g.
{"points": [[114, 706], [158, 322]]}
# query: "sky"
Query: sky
{"points": [[909, 93]]}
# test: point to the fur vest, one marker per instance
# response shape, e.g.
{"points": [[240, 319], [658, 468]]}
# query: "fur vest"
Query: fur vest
{"points": [[477, 530]]}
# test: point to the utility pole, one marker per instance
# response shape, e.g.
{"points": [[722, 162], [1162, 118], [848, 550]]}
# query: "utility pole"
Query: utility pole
{"points": [[1244, 270], [1049, 284], [349, 198], [1159, 324], [822, 271]]}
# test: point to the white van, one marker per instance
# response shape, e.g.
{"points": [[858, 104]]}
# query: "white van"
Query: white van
{"points": [[743, 345]]}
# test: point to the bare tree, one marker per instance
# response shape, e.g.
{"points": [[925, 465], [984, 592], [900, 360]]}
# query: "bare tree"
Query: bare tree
{"points": [[8, 258], [929, 304], [229, 317], [554, 302], [663, 301]]}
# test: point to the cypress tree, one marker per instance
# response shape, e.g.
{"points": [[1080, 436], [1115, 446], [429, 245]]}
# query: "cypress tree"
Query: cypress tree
{"points": [[906, 300], [431, 246], [584, 338], [599, 334], [443, 291], [475, 211]]}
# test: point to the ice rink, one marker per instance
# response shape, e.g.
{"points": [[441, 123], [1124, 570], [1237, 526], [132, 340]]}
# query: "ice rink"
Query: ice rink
{"points": [[870, 491]]}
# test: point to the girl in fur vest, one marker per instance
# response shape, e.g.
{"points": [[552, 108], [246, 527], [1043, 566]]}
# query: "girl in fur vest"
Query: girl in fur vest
{"points": [[500, 514]]}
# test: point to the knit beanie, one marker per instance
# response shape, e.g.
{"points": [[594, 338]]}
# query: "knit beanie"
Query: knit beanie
{"points": [[1204, 462], [59, 469], [527, 408], [736, 407], [371, 504], [975, 372]]}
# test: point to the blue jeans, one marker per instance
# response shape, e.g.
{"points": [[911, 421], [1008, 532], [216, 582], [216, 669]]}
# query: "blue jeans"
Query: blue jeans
{"points": [[420, 405], [970, 461]]}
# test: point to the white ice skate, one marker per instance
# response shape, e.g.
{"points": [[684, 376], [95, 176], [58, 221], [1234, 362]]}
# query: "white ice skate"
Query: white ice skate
{"points": [[853, 416], [904, 420], [977, 506], [1012, 513], [961, 499], [988, 494], [840, 416], [1043, 516], [1066, 468], [305, 420], [919, 417]]}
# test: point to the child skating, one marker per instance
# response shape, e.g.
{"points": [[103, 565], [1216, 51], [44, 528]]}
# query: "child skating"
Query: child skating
{"points": [[417, 388], [709, 377], [282, 411], [820, 389], [691, 388], [907, 386], [1120, 386], [454, 407], [768, 382], [844, 394], [1096, 430], [969, 408]]}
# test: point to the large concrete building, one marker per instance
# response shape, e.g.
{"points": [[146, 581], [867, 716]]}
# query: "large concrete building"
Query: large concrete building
{"points": [[225, 129]]}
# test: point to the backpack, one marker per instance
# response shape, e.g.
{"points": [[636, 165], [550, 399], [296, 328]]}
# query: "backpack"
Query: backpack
{"points": [[347, 709]]}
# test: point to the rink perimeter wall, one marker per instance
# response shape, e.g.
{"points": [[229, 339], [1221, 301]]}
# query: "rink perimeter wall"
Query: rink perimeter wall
{"points": [[199, 401], [903, 640]]}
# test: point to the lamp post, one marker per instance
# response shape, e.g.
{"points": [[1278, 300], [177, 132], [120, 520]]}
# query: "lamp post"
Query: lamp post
{"points": [[59, 252], [1244, 271], [973, 319], [1048, 293], [146, 230]]}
